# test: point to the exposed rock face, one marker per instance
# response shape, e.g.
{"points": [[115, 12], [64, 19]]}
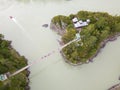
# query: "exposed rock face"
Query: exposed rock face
{"points": [[56, 27], [60, 42]]}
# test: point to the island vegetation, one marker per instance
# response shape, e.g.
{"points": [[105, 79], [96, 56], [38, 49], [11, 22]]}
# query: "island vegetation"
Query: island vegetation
{"points": [[101, 29], [11, 61]]}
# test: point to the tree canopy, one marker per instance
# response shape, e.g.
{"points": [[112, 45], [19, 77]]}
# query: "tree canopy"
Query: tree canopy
{"points": [[101, 26], [10, 61]]}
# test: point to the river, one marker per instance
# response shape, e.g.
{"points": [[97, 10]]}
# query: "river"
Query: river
{"points": [[34, 41]]}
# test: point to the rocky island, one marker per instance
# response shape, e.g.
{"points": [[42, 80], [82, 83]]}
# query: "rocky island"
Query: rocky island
{"points": [[11, 61], [95, 30]]}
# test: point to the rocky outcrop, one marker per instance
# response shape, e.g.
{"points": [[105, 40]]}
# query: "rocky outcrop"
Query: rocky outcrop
{"points": [[115, 87], [45, 25]]}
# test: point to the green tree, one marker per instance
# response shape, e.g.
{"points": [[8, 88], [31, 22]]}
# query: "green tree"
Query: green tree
{"points": [[117, 27], [11, 61], [104, 34], [101, 27], [100, 24], [69, 35]]}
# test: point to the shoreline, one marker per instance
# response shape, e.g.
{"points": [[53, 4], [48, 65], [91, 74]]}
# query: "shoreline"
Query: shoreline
{"points": [[13, 61], [27, 87], [102, 45], [104, 33], [60, 32], [115, 87]]}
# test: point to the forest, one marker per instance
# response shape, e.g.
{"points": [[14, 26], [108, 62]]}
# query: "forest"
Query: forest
{"points": [[102, 26], [11, 61]]}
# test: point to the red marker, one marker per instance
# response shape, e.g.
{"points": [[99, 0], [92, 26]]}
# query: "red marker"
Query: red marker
{"points": [[11, 17]]}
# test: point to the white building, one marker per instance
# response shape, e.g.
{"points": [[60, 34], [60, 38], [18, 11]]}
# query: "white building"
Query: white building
{"points": [[75, 20], [79, 23], [88, 20]]}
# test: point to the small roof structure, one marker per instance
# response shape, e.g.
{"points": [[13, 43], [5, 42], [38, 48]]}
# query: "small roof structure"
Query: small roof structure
{"points": [[80, 21], [75, 20], [3, 77], [88, 20], [84, 24], [77, 36], [78, 25]]}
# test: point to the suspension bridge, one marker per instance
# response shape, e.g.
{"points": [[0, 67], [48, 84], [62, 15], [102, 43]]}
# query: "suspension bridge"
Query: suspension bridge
{"points": [[6, 76]]}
